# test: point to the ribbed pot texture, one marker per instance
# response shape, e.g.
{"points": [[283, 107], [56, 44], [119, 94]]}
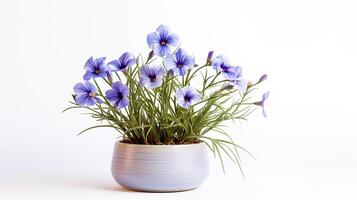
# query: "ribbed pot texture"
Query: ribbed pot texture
{"points": [[160, 168]]}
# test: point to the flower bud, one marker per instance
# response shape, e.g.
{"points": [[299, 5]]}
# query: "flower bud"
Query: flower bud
{"points": [[209, 57], [228, 87], [151, 54], [110, 78], [262, 78]]}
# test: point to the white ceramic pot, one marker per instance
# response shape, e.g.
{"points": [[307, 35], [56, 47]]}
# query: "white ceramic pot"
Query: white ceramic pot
{"points": [[160, 168]]}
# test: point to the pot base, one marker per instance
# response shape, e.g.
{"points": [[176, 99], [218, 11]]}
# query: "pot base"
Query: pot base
{"points": [[160, 168], [157, 191]]}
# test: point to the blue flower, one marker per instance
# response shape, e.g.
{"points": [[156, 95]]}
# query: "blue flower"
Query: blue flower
{"points": [[239, 82], [179, 63], [85, 94], [151, 76], [221, 63], [261, 103], [95, 68], [118, 95], [187, 96], [162, 40], [123, 63]]}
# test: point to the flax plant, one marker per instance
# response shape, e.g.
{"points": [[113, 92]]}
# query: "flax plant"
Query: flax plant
{"points": [[167, 98]]}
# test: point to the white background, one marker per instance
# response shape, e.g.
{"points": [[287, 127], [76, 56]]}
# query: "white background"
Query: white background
{"points": [[305, 149]]}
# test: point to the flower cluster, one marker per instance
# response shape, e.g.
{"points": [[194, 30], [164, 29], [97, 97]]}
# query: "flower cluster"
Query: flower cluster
{"points": [[160, 100], [151, 76]]}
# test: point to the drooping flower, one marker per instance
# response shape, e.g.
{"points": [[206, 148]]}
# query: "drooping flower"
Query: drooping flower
{"points": [[85, 94], [95, 68], [151, 76], [239, 82], [221, 63], [118, 95], [187, 96], [123, 63], [179, 63], [162, 40], [261, 103]]}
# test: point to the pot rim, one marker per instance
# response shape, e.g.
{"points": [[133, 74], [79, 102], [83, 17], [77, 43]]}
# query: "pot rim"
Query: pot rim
{"points": [[159, 146]]}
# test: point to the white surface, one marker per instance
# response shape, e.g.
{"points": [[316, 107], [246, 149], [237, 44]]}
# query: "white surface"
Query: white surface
{"points": [[305, 149]]}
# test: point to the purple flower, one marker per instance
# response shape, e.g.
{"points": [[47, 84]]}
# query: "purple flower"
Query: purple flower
{"points": [[95, 68], [151, 76], [239, 82], [118, 94], [85, 94], [261, 103], [187, 96], [179, 63], [162, 40], [123, 63], [221, 63]]}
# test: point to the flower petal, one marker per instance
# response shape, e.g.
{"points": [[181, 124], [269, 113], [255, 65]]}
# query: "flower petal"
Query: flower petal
{"points": [[88, 75], [163, 31], [125, 91], [89, 63], [90, 101], [181, 71], [184, 104], [121, 88], [111, 95], [80, 88], [90, 87], [162, 51], [241, 85], [180, 94], [144, 81], [230, 74], [173, 39], [239, 71], [170, 62], [153, 40], [196, 97], [117, 86], [127, 59], [114, 65], [264, 113], [123, 102], [266, 95], [81, 99], [161, 71], [102, 74], [219, 61], [156, 83], [100, 61]]}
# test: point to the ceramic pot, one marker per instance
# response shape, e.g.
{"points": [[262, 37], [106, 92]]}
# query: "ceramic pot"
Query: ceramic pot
{"points": [[160, 168]]}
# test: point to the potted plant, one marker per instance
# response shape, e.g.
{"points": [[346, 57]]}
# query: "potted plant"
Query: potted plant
{"points": [[163, 107]]}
